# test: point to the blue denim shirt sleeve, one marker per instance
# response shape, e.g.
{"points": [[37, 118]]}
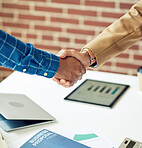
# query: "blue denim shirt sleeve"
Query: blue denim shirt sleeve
{"points": [[24, 57]]}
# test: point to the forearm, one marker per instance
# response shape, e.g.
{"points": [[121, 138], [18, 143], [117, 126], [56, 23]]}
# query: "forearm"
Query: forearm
{"points": [[22, 57], [119, 36]]}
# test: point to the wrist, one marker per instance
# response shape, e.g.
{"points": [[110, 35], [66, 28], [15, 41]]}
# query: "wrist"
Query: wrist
{"points": [[86, 61], [91, 55], [59, 70]]}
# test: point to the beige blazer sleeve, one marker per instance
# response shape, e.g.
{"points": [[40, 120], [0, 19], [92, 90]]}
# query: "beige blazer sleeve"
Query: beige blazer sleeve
{"points": [[118, 36]]}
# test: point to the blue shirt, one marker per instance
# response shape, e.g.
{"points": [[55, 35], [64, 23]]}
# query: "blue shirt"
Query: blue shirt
{"points": [[24, 57]]}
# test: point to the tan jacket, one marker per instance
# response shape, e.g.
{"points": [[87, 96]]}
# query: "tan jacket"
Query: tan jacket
{"points": [[118, 36]]}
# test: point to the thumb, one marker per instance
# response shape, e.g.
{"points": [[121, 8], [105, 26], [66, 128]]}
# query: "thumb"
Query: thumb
{"points": [[65, 53], [62, 53]]}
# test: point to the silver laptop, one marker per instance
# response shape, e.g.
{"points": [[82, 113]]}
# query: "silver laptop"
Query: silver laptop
{"points": [[18, 111]]}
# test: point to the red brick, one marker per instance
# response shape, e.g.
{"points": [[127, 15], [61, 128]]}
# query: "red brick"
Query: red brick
{"points": [[47, 47], [82, 12], [67, 1], [125, 65], [16, 25], [100, 3], [81, 41], [138, 57], [134, 47], [4, 14], [48, 9], [125, 5], [33, 36], [97, 23], [32, 17], [47, 28], [63, 39], [16, 34], [79, 31], [46, 37], [42, 6], [123, 55], [35, 0], [107, 64], [64, 20], [112, 14], [13, 6]]}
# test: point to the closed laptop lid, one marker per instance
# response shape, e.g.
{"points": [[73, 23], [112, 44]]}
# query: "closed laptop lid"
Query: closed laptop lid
{"points": [[20, 107]]}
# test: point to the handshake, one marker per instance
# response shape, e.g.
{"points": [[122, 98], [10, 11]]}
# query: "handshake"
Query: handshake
{"points": [[72, 67]]}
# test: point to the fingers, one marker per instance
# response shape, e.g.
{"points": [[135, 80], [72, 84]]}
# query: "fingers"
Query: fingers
{"points": [[62, 53], [65, 83], [70, 69], [62, 82], [83, 70], [56, 80], [83, 57], [78, 75]]}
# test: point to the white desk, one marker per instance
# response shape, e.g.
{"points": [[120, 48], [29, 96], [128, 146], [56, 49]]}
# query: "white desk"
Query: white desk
{"points": [[123, 120]]}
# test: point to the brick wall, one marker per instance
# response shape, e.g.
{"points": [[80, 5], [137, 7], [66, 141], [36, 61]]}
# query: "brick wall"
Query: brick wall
{"points": [[55, 24]]}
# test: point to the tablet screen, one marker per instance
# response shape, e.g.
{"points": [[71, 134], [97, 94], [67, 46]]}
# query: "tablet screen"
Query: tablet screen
{"points": [[97, 92]]}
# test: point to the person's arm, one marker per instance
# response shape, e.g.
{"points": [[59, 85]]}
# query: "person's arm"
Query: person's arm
{"points": [[24, 57], [120, 35]]}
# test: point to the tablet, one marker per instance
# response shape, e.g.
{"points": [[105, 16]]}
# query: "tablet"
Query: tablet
{"points": [[97, 92]]}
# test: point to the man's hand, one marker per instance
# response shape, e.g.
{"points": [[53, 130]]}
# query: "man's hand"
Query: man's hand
{"points": [[83, 57], [69, 72]]}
